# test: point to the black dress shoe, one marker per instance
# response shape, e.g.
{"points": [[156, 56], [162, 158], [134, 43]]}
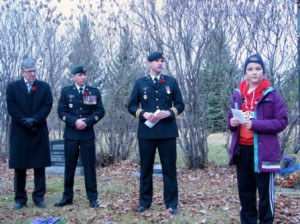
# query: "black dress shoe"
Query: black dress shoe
{"points": [[173, 211], [94, 204], [40, 204], [142, 209], [19, 205], [63, 202]]}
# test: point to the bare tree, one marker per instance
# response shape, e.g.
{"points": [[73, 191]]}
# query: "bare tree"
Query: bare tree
{"points": [[120, 127], [21, 26], [205, 43], [186, 38], [271, 31]]}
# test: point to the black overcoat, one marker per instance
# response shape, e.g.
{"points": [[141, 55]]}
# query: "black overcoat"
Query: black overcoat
{"points": [[28, 150]]}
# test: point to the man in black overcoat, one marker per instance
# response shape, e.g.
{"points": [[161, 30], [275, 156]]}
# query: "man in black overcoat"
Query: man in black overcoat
{"points": [[80, 107], [156, 101], [29, 102]]}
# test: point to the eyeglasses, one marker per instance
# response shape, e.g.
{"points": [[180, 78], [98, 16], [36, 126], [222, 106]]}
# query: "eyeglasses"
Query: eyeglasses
{"points": [[30, 71]]}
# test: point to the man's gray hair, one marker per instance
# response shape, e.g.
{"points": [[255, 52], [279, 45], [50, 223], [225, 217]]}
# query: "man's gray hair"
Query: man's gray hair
{"points": [[28, 63]]}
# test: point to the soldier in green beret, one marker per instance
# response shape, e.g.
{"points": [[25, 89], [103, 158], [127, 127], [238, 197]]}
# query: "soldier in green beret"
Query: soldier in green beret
{"points": [[156, 101], [80, 107]]}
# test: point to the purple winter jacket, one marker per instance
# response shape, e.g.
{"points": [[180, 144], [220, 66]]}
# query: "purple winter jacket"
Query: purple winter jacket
{"points": [[270, 118]]}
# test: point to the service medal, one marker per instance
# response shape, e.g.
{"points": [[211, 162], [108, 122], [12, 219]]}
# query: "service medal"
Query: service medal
{"points": [[90, 100]]}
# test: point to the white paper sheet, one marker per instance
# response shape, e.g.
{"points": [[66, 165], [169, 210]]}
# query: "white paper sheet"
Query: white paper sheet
{"points": [[149, 123], [238, 114]]}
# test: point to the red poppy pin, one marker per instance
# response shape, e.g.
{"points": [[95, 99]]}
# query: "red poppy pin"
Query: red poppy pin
{"points": [[162, 81], [85, 93], [33, 88]]}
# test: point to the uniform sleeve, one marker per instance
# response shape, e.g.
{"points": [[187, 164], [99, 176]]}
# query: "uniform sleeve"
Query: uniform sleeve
{"points": [[63, 111], [98, 112], [134, 102], [178, 105]]}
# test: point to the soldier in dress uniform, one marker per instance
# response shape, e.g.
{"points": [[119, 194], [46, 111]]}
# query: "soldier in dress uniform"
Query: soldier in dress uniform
{"points": [[156, 101], [80, 107]]}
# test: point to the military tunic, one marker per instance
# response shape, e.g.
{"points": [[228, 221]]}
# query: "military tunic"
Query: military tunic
{"points": [[71, 107], [147, 97]]}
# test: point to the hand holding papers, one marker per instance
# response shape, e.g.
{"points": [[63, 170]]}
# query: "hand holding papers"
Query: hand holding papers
{"points": [[149, 123], [239, 115]]}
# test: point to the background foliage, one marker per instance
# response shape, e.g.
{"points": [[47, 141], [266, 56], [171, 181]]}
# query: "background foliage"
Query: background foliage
{"points": [[205, 43]]}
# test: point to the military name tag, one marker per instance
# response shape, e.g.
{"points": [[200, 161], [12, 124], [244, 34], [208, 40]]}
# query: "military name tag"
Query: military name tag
{"points": [[90, 100]]}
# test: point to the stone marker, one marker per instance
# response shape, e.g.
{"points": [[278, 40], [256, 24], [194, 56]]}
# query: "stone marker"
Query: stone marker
{"points": [[58, 159], [157, 171]]}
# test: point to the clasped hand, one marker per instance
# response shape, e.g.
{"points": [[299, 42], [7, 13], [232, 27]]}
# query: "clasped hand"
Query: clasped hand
{"points": [[158, 116], [80, 124], [235, 123], [30, 124]]}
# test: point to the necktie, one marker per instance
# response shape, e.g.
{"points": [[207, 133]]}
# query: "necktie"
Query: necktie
{"points": [[80, 91], [156, 81], [28, 86]]}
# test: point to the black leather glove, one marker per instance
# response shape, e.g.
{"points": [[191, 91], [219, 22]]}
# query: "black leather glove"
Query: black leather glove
{"points": [[34, 130], [29, 122]]}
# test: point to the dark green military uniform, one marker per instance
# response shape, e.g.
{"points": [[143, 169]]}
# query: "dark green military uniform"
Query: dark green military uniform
{"points": [[71, 107], [148, 97]]}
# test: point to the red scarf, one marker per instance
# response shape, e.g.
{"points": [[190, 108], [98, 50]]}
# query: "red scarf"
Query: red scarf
{"points": [[250, 99]]}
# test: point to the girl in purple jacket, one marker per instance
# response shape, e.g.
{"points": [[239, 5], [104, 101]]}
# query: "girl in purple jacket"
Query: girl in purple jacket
{"points": [[255, 148]]}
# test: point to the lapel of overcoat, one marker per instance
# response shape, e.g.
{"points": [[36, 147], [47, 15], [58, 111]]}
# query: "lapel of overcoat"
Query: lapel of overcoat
{"points": [[23, 87]]}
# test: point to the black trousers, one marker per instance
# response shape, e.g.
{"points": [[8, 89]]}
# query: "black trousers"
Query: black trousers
{"points": [[167, 153], [87, 151], [249, 182], [39, 185]]}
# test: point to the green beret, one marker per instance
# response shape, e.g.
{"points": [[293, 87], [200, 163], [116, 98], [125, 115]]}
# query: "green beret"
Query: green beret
{"points": [[77, 69], [155, 55]]}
